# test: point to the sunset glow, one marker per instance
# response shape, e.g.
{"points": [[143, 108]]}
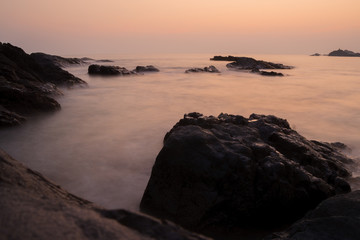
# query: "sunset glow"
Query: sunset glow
{"points": [[167, 26]]}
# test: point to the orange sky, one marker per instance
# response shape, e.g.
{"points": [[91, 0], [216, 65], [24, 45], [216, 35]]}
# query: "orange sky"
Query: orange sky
{"points": [[213, 26]]}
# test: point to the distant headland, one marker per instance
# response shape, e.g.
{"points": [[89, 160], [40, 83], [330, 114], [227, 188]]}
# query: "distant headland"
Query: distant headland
{"points": [[344, 53], [339, 53]]}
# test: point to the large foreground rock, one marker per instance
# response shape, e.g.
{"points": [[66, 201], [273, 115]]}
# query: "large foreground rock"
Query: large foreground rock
{"points": [[32, 207], [334, 219], [28, 83], [247, 172]]}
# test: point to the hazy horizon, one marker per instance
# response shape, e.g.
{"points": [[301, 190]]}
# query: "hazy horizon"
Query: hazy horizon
{"points": [[158, 26]]}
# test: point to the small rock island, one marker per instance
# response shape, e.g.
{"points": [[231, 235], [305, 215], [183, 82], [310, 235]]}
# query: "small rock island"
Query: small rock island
{"points": [[210, 69], [252, 65], [343, 53]]}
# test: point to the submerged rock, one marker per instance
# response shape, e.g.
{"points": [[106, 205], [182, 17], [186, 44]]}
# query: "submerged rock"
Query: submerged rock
{"points": [[335, 218], [103, 70], [266, 73], [210, 69], [226, 171], [33, 207], [148, 68]]}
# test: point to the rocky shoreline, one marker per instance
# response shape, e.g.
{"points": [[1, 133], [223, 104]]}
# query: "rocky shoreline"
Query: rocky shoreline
{"points": [[227, 177], [28, 83], [33, 207]]}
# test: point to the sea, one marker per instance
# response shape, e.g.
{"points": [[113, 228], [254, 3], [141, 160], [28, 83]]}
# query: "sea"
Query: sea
{"points": [[104, 141]]}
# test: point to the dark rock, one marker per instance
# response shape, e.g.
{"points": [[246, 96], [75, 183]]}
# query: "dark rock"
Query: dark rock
{"points": [[105, 60], [8, 119], [26, 102], [33, 207], [316, 55], [266, 73], [335, 218], [149, 68], [226, 58], [152, 227], [234, 171], [102, 70], [44, 59], [272, 73], [51, 69], [210, 69], [246, 63], [28, 82], [344, 53]]}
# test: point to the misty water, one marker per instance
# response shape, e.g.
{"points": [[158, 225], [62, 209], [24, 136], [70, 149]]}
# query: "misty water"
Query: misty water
{"points": [[103, 143]]}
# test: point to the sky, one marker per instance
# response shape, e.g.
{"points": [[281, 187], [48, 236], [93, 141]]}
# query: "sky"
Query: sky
{"points": [[187, 26]]}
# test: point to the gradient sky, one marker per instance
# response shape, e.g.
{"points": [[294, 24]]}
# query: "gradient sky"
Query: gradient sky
{"points": [[186, 26]]}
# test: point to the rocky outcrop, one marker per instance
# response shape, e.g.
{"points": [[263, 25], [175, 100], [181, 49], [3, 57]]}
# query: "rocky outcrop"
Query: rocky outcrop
{"points": [[148, 68], [246, 63], [102, 70], [335, 218], [215, 172], [344, 53], [225, 58], [32, 207], [44, 59], [28, 82], [210, 69], [266, 73], [315, 55]]}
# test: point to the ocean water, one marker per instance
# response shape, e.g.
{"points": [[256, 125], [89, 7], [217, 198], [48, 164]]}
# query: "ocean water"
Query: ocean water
{"points": [[103, 143]]}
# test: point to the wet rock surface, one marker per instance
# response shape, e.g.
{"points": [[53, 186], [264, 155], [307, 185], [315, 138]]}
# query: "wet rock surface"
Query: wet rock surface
{"points": [[104, 70], [216, 172], [210, 69], [28, 83], [33, 207], [335, 218]]}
